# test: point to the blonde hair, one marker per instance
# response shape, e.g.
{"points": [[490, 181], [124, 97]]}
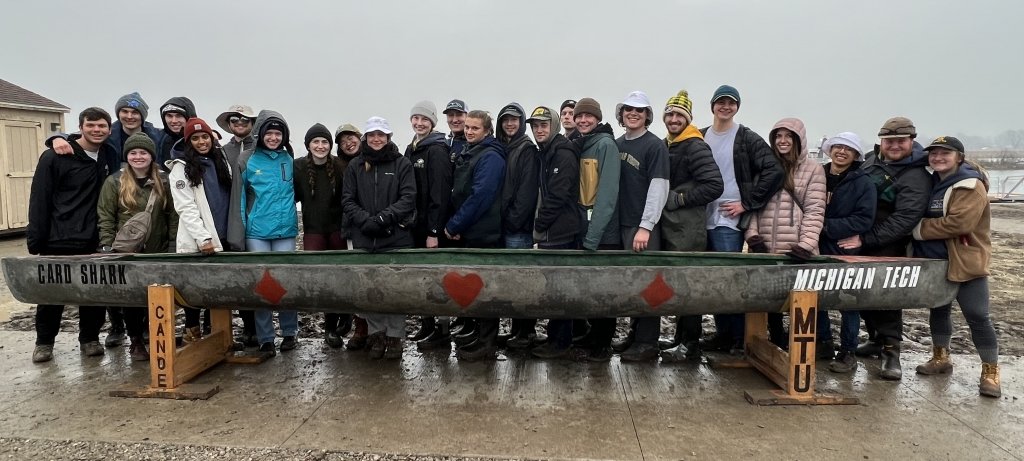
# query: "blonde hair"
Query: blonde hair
{"points": [[127, 194], [485, 119]]}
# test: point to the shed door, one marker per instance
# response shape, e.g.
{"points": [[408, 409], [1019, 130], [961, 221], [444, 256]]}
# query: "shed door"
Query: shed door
{"points": [[20, 146]]}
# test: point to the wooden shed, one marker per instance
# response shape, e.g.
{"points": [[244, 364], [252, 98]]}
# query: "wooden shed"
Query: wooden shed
{"points": [[26, 120]]}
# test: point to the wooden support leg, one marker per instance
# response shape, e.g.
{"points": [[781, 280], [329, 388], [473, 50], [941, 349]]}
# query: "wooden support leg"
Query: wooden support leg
{"points": [[794, 371]]}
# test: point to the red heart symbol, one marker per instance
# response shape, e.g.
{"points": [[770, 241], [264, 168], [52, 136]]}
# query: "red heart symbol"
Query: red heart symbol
{"points": [[463, 289]]}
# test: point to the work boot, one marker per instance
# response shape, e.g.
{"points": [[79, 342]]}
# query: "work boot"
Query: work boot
{"points": [[845, 362], [393, 347], [359, 338], [871, 348], [891, 369], [137, 350], [550, 350], [620, 345], [377, 343], [477, 350], [288, 343], [427, 325], [191, 334], [115, 338], [640, 352], [92, 349], [333, 340], [439, 338], [42, 353], [989, 386], [457, 324], [939, 364], [268, 348], [825, 350]]}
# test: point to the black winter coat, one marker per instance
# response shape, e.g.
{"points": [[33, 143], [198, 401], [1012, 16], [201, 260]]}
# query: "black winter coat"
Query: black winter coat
{"points": [[694, 182], [519, 194], [903, 190], [558, 217], [758, 174], [380, 185], [62, 216], [321, 203], [432, 166], [849, 210]]}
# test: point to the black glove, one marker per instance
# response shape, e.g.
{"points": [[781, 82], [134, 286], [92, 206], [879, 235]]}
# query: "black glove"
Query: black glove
{"points": [[799, 253], [371, 227], [755, 244]]}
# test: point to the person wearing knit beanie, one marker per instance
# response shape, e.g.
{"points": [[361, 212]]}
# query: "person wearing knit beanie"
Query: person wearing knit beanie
{"points": [[565, 114], [196, 124], [427, 110], [139, 141], [588, 106], [132, 101], [680, 104], [318, 131]]}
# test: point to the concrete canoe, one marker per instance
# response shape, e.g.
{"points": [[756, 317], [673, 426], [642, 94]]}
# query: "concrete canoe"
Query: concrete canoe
{"points": [[485, 283]]}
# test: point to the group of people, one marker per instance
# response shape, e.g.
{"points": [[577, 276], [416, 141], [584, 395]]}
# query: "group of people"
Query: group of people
{"points": [[487, 184]]}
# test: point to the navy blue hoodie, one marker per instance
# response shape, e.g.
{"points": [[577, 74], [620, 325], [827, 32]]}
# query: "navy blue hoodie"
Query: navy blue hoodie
{"points": [[478, 179]]}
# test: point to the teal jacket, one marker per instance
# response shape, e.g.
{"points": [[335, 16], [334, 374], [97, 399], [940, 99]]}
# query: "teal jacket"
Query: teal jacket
{"points": [[599, 186], [268, 204]]}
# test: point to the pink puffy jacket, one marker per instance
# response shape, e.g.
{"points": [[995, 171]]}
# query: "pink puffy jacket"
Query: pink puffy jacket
{"points": [[796, 219]]}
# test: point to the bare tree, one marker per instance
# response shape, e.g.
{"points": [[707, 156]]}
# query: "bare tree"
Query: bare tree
{"points": [[1013, 139]]}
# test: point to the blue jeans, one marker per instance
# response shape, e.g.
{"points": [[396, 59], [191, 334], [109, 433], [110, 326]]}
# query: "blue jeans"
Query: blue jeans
{"points": [[519, 241], [725, 239], [849, 327], [289, 320]]}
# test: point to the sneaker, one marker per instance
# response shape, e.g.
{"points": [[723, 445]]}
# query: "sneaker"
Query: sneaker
{"points": [[845, 362], [268, 348], [550, 351], [42, 353], [289, 343], [92, 349], [333, 340], [115, 338], [137, 350]]}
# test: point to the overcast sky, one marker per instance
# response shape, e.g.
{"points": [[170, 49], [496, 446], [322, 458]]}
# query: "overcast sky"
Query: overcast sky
{"points": [[952, 67]]}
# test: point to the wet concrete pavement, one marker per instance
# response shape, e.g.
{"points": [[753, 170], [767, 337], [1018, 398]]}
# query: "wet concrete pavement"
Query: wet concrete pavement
{"points": [[431, 404]]}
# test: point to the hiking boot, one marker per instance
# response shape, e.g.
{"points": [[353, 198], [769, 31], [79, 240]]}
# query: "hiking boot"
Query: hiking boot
{"points": [[137, 350], [377, 344], [439, 338], [989, 386], [717, 343], [845, 362], [359, 338], [640, 353], [939, 364], [869, 349], [191, 334], [891, 369], [288, 343], [393, 347], [42, 353], [467, 336], [427, 325], [92, 349], [599, 354], [825, 350], [269, 348], [333, 340], [115, 338], [550, 351], [477, 350]]}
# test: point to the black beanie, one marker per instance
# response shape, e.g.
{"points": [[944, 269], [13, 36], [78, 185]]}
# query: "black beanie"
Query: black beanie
{"points": [[318, 131]]}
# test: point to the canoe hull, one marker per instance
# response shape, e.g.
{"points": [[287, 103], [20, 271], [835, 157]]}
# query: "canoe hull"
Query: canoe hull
{"points": [[484, 290]]}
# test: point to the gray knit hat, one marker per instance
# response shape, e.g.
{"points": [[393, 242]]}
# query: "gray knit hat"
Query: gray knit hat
{"points": [[426, 109], [133, 101]]}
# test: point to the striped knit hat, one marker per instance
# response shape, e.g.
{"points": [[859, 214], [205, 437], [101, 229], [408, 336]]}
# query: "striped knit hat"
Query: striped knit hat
{"points": [[681, 104]]}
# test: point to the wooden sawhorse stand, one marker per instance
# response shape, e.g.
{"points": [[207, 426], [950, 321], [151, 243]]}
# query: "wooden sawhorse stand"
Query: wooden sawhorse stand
{"points": [[171, 368], [794, 371]]}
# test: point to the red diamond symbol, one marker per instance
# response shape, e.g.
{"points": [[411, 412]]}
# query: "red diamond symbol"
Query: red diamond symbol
{"points": [[657, 292], [269, 288]]}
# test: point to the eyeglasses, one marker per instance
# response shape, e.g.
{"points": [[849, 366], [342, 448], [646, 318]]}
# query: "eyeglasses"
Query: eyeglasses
{"points": [[236, 119], [633, 109]]}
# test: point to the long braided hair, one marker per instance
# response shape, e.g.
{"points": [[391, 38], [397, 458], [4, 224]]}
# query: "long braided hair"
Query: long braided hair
{"points": [[331, 176]]}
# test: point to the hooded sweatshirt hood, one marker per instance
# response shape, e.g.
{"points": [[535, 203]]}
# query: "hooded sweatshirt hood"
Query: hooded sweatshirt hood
{"points": [[434, 137], [796, 126], [690, 131], [180, 102], [510, 108], [489, 141], [264, 120]]}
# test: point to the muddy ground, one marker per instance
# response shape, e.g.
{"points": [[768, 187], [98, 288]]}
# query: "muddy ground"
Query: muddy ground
{"points": [[1006, 283]]}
